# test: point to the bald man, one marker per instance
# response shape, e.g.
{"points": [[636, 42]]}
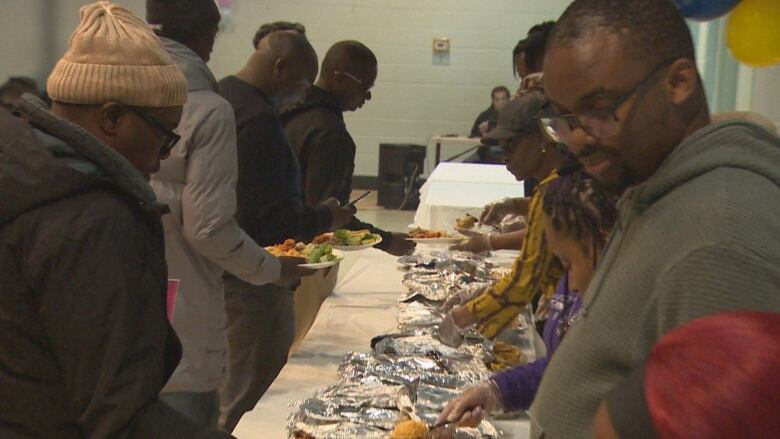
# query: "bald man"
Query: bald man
{"points": [[270, 209], [316, 131]]}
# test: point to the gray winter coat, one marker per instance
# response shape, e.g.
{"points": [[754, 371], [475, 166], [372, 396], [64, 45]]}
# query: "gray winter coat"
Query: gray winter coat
{"points": [[202, 238]]}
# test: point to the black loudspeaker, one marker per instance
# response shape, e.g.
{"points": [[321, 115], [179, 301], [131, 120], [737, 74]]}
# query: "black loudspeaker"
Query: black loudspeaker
{"points": [[400, 167]]}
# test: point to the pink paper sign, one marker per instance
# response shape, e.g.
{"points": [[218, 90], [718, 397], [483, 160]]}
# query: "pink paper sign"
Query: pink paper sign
{"points": [[173, 290]]}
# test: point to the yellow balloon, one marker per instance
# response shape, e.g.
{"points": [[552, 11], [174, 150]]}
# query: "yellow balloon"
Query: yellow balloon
{"points": [[753, 32]]}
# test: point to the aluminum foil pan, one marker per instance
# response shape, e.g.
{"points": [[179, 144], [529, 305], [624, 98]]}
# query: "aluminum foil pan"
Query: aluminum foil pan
{"points": [[338, 430], [416, 345], [417, 314], [485, 430], [423, 258], [433, 294], [366, 368], [372, 404]]}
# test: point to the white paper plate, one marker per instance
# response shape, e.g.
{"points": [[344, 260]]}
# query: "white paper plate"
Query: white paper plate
{"points": [[350, 248], [450, 240], [339, 256]]}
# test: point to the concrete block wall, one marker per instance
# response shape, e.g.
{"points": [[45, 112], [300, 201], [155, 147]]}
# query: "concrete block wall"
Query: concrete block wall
{"points": [[766, 92], [414, 97]]}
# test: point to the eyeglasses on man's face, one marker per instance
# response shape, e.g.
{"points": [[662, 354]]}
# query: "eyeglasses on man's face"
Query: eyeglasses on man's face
{"points": [[168, 137], [366, 89], [599, 123]]}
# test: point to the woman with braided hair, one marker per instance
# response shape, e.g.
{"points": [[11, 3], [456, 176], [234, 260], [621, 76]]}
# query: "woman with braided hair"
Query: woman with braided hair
{"points": [[578, 215]]}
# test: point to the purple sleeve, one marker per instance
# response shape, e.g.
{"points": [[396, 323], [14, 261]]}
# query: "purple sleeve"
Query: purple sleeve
{"points": [[518, 386]]}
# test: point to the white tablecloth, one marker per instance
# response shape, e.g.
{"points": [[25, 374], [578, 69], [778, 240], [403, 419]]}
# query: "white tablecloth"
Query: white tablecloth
{"points": [[454, 189], [363, 305]]}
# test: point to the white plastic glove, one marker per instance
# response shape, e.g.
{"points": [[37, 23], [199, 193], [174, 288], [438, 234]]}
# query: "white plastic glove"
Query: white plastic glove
{"points": [[468, 409], [477, 242], [493, 213], [460, 296]]}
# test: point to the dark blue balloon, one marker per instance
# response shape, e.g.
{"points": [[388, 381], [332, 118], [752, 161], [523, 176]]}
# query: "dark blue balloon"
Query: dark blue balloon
{"points": [[705, 9]]}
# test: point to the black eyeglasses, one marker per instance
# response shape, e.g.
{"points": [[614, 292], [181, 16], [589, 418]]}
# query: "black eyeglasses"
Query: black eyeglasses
{"points": [[168, 137], [600, 123], [366, 90]]}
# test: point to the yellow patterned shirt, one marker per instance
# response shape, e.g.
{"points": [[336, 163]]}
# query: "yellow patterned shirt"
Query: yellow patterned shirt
{"points": [[536, 271]]}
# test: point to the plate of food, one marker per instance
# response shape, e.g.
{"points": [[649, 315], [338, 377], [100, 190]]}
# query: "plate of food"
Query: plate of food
{"points": [[316, 255], [425, 236], [349, 240]]}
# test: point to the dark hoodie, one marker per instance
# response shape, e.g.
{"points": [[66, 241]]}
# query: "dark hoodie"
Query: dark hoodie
{"points": [[85, 346], [316, 131]]}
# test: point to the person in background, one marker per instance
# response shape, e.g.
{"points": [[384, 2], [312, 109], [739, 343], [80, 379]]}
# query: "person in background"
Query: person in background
{"points": [[488, 150], [202, 238], [270, 209], [578, 216], [536, 272], [12, 90], [486, 120], [276, 26], [316, 131], [698, 224], [528, 56], [85, 345], [713, 378]]}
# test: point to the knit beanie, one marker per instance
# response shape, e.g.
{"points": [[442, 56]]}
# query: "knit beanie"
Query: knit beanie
{"points": [[114, 56], [189, 17]]}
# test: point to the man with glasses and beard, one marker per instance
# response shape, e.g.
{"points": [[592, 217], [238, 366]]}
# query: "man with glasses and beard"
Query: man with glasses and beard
{"points": [[698, 223]]}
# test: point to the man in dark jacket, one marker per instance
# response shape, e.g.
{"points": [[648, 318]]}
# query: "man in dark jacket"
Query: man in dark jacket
{"points": [[270, 209], [487, 119], [316, 131], [85, 346]]}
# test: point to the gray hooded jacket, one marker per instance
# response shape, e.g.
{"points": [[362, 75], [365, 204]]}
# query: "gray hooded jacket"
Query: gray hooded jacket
{"points": [[700, 236], [202, 238]]}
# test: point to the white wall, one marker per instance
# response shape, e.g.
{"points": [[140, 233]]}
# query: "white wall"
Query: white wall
{"points": [[22, 41], [413, 98], [766, 92]]}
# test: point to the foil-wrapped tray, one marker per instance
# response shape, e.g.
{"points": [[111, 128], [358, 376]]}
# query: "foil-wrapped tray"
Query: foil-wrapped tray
{"points": [[337, 430], [416, 314], [409, 371]]}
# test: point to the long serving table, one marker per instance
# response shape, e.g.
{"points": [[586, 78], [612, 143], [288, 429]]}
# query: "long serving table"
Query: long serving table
{"points": [[364, 304]]}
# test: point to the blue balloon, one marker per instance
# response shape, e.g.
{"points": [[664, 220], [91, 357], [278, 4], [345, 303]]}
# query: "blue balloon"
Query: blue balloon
{"points": [[705, 9]]}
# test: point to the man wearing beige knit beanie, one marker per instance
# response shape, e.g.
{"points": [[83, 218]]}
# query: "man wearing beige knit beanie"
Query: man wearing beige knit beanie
{"points": [[85, 346]]}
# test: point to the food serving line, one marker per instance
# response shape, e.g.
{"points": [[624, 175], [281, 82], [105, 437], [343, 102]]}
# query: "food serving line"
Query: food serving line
{"points": [[368, 287], [364, 304]]}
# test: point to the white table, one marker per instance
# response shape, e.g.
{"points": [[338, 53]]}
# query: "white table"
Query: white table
{"points": [[454, 189], [363, 305], [455, 145]]}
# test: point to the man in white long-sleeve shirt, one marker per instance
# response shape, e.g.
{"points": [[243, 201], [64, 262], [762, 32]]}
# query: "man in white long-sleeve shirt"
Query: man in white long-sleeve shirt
{"points": [[202, 238]]}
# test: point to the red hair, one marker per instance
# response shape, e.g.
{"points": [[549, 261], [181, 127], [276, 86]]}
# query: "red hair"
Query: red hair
{"points": [[717, 377]]}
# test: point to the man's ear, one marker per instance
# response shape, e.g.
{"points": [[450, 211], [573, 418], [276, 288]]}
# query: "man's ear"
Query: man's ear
{"points": [[280, 65], [111, 115], [682, 80]]}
